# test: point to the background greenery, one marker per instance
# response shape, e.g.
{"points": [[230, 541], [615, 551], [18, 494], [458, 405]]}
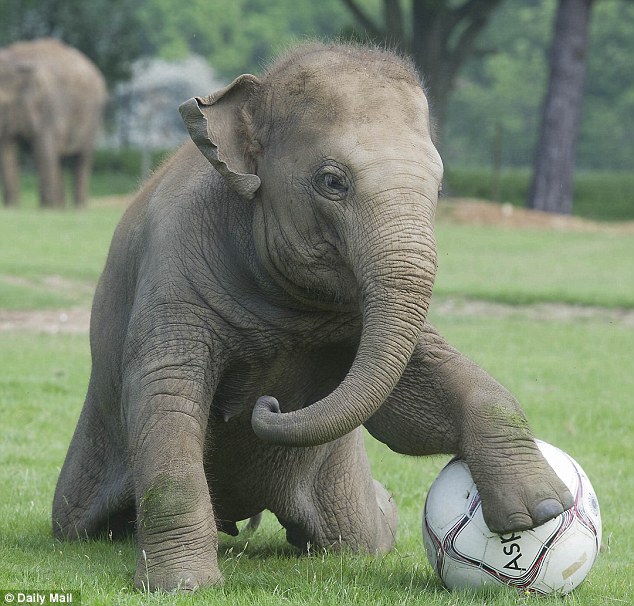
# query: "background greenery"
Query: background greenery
{"points": [[500, 91], [503, 89], [496, 102], [601, 195]]}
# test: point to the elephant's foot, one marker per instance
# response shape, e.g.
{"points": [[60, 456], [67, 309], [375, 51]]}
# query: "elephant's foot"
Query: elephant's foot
{"points": [[178, 574], [176, 533], [522, 492]]}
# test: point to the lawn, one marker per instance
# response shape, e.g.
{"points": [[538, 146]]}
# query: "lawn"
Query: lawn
{"points": [[573, 378], [53, 259], [531, 266]]}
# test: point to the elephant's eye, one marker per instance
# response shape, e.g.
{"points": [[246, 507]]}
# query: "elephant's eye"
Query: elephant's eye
{"points": [[331, 181]]}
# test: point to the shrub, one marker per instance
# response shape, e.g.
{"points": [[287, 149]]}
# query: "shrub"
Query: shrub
{"points": [[599, 195]]}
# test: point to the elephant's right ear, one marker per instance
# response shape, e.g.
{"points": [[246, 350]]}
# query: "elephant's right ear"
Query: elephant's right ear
{"points": [[217, 126]]}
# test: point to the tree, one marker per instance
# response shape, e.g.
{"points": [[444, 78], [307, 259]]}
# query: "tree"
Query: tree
{"points": [[441, 38], [107, 31], [552, 185], [506, 88], [605, 139], [236, 36]]}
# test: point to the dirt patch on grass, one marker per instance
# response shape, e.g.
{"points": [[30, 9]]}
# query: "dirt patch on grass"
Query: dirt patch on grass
{"points": [[469, 211], [57, 285], [77, 321], [451, 210], [548, 312], [73, 321]]}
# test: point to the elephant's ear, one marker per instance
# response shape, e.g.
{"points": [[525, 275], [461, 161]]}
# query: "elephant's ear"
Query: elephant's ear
{"points": [[219, 126]]}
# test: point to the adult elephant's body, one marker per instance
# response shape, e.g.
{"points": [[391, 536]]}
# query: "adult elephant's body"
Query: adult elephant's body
{"points": [[299, 263], [52, 98]]}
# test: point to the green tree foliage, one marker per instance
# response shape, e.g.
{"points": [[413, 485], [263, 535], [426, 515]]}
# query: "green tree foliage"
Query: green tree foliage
{"points": [[107, 31], [498, 90], [505, 88], [439, 35], [236, 35], [501, 91], [608, 120]]}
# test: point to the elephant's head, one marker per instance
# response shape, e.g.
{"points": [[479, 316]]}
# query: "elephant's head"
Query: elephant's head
{"points": [[334, 148], [9, 84]]}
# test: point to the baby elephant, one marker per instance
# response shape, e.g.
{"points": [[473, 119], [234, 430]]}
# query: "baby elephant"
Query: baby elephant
{"points": [[264, 297]]}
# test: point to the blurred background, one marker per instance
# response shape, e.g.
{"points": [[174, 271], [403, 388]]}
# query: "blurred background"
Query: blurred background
{"points": [[512, 82]]}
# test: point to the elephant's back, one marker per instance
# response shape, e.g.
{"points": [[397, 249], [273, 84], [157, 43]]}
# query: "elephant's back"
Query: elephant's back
{"points": [[169, 193], [67, 85], [184, 183], [65, 63]]}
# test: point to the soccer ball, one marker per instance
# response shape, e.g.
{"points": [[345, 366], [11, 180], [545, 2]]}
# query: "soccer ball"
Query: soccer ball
{"points": [[554, 557]]}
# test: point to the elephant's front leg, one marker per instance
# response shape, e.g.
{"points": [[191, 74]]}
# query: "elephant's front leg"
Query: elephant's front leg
{"points": [[82, 170], [176, 530], [9, 171], [49, 168], [445, 403]]}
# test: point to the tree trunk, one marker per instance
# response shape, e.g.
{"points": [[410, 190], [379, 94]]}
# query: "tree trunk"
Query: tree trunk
{"points": [[441, 38], [552, 186]]}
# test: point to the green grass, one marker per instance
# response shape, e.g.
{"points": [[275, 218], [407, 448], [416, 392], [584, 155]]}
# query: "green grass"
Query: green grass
{"points": [[570, 379], [529, 266], [52, 259], [573, 378]]}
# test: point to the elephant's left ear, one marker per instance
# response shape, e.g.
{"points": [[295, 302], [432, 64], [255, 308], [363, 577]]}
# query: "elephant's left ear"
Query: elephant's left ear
{"points": [[217, 126]]}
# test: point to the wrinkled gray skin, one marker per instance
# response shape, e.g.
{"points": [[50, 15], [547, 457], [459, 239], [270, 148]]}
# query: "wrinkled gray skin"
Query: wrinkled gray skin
{"points": [[51, 98], [293, 257]]}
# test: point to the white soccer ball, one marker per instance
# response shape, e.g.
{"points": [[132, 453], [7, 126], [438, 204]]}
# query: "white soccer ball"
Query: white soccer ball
{"points": [[554, 557]]}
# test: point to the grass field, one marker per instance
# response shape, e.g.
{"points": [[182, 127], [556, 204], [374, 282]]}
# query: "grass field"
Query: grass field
{"points": [[574, 378]]}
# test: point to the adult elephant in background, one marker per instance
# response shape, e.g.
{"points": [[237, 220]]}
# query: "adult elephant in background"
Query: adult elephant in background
{"points": [[51, 98], [288, 251]]}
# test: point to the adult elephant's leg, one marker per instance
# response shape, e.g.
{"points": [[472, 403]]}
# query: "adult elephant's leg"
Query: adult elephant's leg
{"points": [[167, 406], [82, 169], [445, 403], [94, 493], [9, 172], [49, 170], [333, 501]]}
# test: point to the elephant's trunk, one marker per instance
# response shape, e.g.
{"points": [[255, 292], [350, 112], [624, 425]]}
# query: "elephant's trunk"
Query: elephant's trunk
{"points": [[395, 268]]}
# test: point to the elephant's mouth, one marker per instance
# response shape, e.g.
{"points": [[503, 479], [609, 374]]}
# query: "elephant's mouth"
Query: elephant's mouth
{"points": [[340, 295]]}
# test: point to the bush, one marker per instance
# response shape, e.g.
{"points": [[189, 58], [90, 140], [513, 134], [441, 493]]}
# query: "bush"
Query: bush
{"points": [[128, 161], [598, 195]]}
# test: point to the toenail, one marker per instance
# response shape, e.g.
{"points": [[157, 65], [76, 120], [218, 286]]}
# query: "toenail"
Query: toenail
{"points": [[546, 510]]}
